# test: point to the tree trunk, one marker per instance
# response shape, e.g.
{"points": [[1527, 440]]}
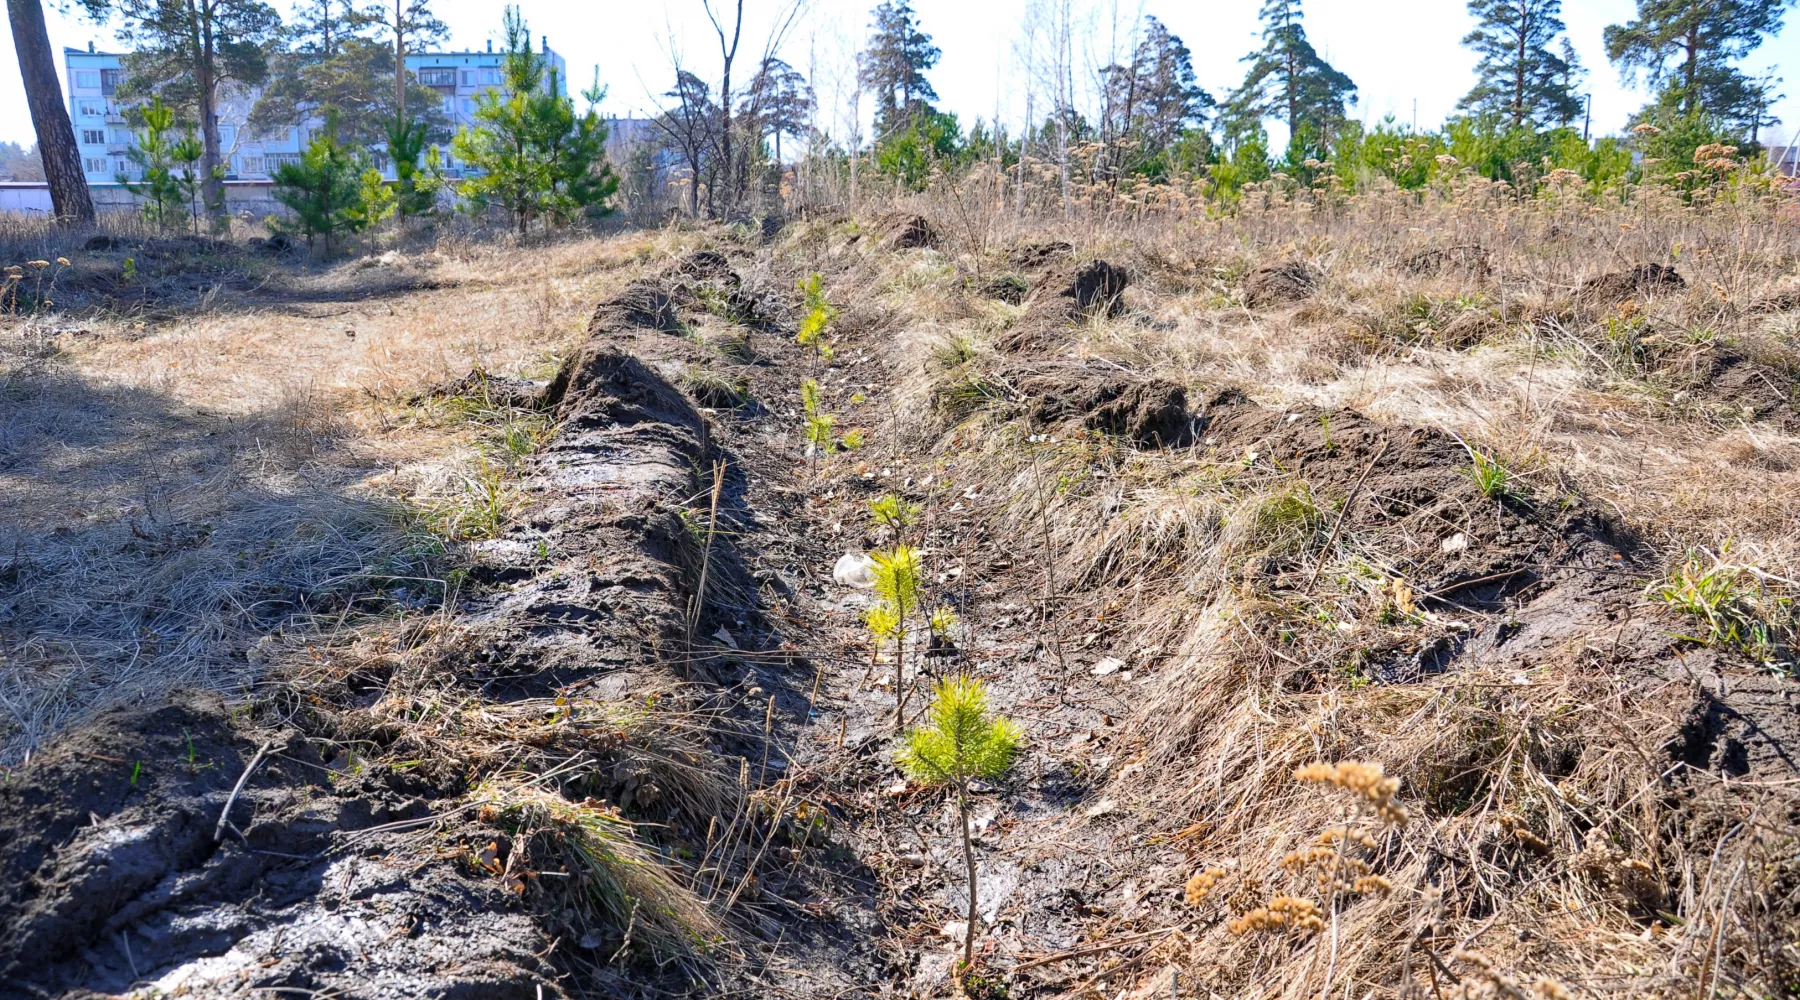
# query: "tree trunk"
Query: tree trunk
{"points": [[1689, 99], [212, 184], [1519, 70], [962, 806], [49, 115], [399, 61], [900, 676]]}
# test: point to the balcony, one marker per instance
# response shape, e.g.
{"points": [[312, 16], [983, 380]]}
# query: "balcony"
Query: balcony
{"points": [[118, 148]]}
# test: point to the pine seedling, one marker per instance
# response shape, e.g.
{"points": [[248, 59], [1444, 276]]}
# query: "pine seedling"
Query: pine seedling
{"points": [[816, 313], [892, 512], [942, 621], [900, 585], [819, 424], [963, 742], [883, 625]]}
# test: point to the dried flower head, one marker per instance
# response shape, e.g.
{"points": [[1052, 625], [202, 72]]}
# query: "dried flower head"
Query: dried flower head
{"points": [[1201, 885], [1284, 913], [1362, 779]]}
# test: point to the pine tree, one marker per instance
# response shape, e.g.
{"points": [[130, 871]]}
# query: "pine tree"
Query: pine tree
{"points": [[534, 156], [414, 193], [334, 64], [192, 54], [324, 189], [1152, 103], [166, 195], [1686, 48], [1520, 79], [1289, 80], [893, 67], [963, 743], [60, 157]]}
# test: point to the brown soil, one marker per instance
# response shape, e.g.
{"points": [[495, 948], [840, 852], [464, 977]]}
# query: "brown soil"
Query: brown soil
{"points": [[1062, 296], [1148, 412], [1645, 279], [907, 232], [1277, 284], [113, 874], [1471, 260]]}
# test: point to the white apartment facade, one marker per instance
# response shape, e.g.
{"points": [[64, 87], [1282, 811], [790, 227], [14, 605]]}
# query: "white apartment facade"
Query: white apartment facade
{"points": [[105, 138]]}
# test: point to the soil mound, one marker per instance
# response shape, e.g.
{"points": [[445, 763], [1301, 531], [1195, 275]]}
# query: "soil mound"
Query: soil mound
{"points": [[1148, 412], [907, 232], [114, 876], [495, 390], [1008, 288], [1645, 279], [646, 303], [1276, 284], [1030, 256], [1063, 297], [1471, 260]]}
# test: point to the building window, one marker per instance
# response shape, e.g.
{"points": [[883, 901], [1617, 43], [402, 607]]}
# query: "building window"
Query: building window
{"points": [[121, 135], [490, 77], [124, 166], [87, 78], [94, 165], [92, 109], [468, 78], [109, 80], [93, 136], [437, 77], [468, 106], [253, 165]]}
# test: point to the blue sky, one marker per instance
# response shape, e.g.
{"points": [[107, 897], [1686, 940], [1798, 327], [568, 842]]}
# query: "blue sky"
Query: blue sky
{"points": [[1399, 51]]}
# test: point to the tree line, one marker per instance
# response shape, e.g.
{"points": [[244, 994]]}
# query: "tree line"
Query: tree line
{"points": [[337, 67], [1139, 116]]}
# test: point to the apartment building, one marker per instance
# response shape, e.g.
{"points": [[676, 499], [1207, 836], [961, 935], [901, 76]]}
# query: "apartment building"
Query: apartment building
{"points": [[105, 138]]}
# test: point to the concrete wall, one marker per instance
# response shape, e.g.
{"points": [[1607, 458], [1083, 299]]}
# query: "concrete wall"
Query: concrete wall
{"points": [[33, 198]]}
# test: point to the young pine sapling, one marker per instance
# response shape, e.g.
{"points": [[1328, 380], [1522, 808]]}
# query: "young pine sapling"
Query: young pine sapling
{"points": [[892, 513], [816, 313], [900, 588], [963, 742]]}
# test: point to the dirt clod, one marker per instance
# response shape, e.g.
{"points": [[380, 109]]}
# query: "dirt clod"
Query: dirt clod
{"points": [[1148, 412], [1276, 284], [1645, 279], [908, 232], [505, 391], [1028, 256]]}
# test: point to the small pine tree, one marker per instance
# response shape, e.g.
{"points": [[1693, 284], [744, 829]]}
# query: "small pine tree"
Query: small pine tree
{"points": [[532, 154], [157, 154], [375, 203], [817, 312], [324, 190], [900, 588], [962, 743], [414, 192], [187, 152]]}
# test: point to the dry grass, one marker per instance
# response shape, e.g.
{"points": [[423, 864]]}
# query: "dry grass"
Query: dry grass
{"points": [[1544, 831], [178, 488]]}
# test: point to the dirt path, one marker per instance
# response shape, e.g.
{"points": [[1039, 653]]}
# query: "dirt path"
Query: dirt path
{"points": [[655, 666]]}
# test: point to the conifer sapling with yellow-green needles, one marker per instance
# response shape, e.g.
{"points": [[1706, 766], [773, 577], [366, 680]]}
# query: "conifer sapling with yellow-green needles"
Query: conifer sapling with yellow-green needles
{"points": [[961, 743], [893, 513], [816, 313], [900, 589]]}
